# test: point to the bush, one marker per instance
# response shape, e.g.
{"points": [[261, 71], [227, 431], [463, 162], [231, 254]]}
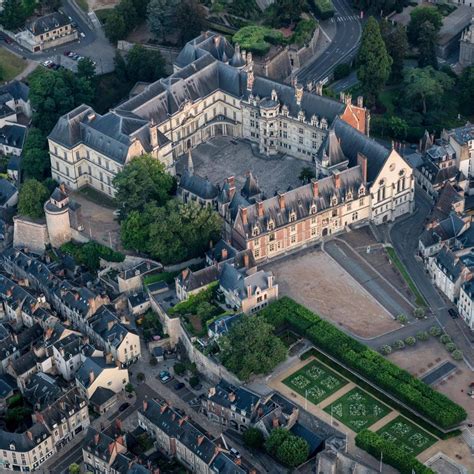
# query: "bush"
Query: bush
{"points": [[253, 438], [392, 454], [341, 71], [129, 388], [287, 448], [89, 254], [419, 313], [445, 339], [258, 39], [386, 350], [435, 331], [179, 368], [365, 362], [402, 319], [194, 381], [304, 31], [323, 9], [450, 347], [422, 335], [140, 376], [410, 341], [400, 344], [457, 354]]}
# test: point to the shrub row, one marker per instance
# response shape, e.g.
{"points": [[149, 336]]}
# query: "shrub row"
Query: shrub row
{"points": [[433, 405], [323, 9], [392, 454]]}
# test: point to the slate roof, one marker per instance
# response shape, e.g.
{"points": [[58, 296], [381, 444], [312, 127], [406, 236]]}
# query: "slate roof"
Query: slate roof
{"points": [[16, 89], [447, 229], [69, 346], [48, 23], [14, 163], [193, 280], [198, 186], [448, 264], [42, 390], [108, 326], [100, 444], [245, 400], [13, 135], [250, 187], [7, 191], [215, 253], [101, 396], [463, 134], [7, 385], [236, 281], [137, 299], [24, 363], [223, 325], [95, 365], [61, 408], [22, 441]]}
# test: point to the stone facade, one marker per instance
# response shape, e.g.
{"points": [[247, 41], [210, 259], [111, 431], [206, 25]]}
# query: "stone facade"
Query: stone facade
{"points": [[466, 47]]}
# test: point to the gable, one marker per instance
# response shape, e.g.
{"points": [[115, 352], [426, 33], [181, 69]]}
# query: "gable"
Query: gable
{"points": [[392, 170]]}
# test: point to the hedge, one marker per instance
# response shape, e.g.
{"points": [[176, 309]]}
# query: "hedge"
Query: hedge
{"points": [[392, 454], [323, 9], [90, 253], [434, 406]]}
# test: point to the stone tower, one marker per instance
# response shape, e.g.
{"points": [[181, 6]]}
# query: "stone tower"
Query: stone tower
{"points": [[57, 217]]}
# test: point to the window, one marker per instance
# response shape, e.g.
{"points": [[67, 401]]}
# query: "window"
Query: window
{"points": [[293, 228], [271, 225], [300, 130], [300, 140], [293, 217], [334, 213], [256, 253], [355, 216], [293, 239], [349, 206], [361, 201], [313, 231]]}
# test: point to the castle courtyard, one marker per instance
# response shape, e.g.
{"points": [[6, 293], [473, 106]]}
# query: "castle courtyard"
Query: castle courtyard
{"points": [[223, 157]]}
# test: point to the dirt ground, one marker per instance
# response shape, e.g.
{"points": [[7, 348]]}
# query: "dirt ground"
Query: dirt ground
{"points": [[99, 222], [424, 356], [319, 283], [99, 4]]}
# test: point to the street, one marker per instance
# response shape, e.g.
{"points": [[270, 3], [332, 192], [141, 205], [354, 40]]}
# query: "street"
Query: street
{"points": [[345, 41]]}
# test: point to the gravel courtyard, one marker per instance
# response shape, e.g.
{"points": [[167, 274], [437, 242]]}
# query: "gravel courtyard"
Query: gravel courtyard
{"points": [[319, 283]]}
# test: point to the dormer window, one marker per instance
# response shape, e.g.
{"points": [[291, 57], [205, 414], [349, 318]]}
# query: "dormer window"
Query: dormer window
{"points": [[292, 216], [12, 447], [271, 225], [361, 191], [349, 196], [313, 209], [334, 201], [324, 124], [301, 116], [255, 230]]}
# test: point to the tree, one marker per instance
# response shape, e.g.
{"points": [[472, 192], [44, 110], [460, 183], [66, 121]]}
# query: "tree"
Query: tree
{"points": [[399, 344], [13, 15], [410, 341], [420, 15], [397, 127], [33, 195], [427, 46], [134, 231], [450, 347], [36, 161], [126, 9], [251, 348], [129, 388], [180, 231], [373, 62], [457, 354], [289, 449], [86, 69], [144, 65], [116, 26], [466, 90], [143, 181], [141, 376], [386, 350], [419, 312], [435, 331], [285, 12], [74, 468], [426, 86], [55, 93], [253, 438], [422, 335], [179, 368], [194, 381], [396, 42], [161, 16], [402, 319], [190, 16], [307, 174]]}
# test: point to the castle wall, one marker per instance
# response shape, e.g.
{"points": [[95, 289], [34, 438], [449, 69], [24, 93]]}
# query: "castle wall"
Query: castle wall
{"points": [[29, 234]]}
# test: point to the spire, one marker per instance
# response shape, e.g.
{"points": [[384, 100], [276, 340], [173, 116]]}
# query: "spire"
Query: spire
{"points": [[334, 150], [190, 163], [426, 142], [250, 187]]}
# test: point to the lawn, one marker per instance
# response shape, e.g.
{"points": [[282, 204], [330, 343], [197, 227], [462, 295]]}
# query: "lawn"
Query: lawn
{"points": [[420, 301], [357, 409], [10, 65], [407, 436], [315, 381]]}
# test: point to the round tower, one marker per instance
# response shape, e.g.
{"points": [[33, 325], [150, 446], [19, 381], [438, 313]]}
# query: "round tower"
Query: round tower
{"points": [[57, 217]]}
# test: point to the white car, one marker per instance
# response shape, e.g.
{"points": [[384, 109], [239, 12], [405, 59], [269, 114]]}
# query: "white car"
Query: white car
{"points": [[47, 63]]}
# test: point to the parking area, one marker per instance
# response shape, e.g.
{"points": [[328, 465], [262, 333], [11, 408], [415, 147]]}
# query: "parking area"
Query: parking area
{"points": [[316, 281]]}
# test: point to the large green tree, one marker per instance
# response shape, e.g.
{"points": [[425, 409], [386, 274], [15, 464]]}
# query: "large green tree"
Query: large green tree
{"points": [[144, 65], [253, 438], [161, 17], [33, 195], [13, 15], [116, 26], [54, 93], [86, 69], [285, 12], [143, 181], [427, 45], [466, 91], [287, 448], [251, 348], [190, 16], [373, 61], [396, 42], [426, 86], [35, 162]]}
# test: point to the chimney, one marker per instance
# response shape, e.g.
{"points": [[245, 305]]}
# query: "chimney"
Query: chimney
{"points": [[299, 93], [337, 180], [348, 99], [319, 88], [96, 438], [281, 201], [275, 423], [243, 211], [315, 187], [249, 291], [231, 192], [238, 461], [224, 254], [200, 439], [309, 86], [91, 377], [231, 181], [362, 162], [30, 435], [145, 404], [270, 281], [118, 424], [109, 358], [77, 296], [62, 187], [184, 273], [360, 101], [342, 97], [232, 397], [110, 325], [163, 408], [260, 208], [246, 260], [183, 420], [250, 80]]}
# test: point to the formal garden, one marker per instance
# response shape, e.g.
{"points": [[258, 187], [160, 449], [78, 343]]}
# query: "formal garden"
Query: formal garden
{"points": [[315, 381], [406, 435], [357, 409]]}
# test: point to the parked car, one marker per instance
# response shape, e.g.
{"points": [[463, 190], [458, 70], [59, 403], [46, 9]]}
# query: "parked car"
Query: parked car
{"points": [[453, 313], [71, 54], [178, 385], [47, 63], [124, 406], [235, 452], [67, 53], [165, 376]]}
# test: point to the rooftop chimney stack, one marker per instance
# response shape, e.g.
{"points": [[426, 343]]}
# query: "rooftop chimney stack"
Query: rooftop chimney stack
{"points": [[260, 208], [281, 201], [243, 211], [315, 187]]}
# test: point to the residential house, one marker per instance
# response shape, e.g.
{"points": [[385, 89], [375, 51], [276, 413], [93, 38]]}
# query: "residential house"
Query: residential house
{"points": [[14, 101], [42, 390], [220, 327], [96, 372], [248, 292], [138, 303], [189, 283], [461, 139], [234, 407], [466, 303], [178, 437], [66, 354], [49, 31], [12, 139], [23, 368], [130, 280], [8, 193]]}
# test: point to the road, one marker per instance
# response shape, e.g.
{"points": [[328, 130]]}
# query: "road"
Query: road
{"points": [[344, 44], [404, 237]]}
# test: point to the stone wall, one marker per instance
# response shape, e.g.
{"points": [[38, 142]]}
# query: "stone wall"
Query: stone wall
{"points": [[30, 234]]}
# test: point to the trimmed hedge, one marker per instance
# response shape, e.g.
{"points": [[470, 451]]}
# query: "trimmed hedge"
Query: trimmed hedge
{"points": [[433, 405], [392, 454], [323, 9]]}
